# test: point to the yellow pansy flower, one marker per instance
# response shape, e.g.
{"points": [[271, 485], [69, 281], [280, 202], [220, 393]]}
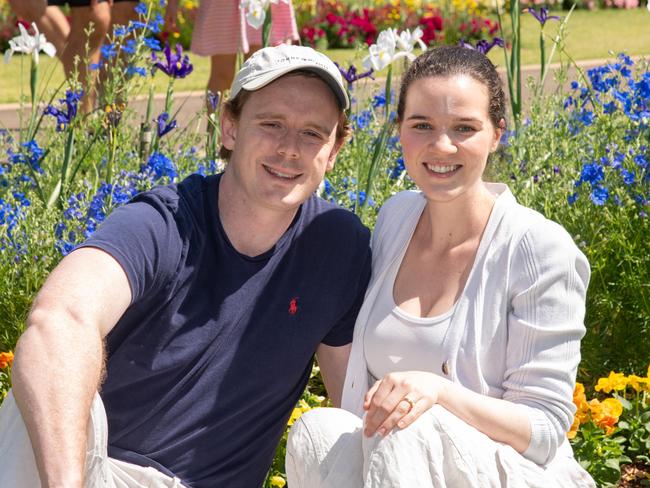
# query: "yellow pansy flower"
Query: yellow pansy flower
{"points": [[639, 383], [278, 481], [615, 381]]}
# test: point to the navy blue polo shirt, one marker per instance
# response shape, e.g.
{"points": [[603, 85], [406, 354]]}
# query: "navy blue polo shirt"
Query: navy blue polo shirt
{"points": [[207, 363]]}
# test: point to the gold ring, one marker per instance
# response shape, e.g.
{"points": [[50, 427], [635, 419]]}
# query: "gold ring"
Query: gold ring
{"points": [[410, 402]]}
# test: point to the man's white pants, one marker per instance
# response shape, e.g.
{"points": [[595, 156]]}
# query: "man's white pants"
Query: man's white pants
{"points": [[327, 449], [18, 465]]}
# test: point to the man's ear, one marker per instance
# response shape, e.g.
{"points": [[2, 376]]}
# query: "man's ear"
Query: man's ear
{"points": [[228, 129], [335, 151]]}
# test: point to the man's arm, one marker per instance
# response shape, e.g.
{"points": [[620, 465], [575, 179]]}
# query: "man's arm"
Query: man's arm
{"points": [[59, 359], [333, 362]]}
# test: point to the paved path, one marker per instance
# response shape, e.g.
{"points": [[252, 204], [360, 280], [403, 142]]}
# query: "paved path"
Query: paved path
{"points": [[190, 104]]}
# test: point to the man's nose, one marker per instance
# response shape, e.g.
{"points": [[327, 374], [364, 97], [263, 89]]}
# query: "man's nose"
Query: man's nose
{"points": [[288, 145]]}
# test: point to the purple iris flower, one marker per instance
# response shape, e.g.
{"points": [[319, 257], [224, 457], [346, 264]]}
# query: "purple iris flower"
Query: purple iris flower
{"points": [[65, 114], [542, 16], [483, 46], [213, 100], [351, 75], [163, 126], [174, 65]]}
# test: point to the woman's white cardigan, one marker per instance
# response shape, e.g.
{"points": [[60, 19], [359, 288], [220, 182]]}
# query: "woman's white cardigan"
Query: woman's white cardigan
{"points": [[515, 333]]}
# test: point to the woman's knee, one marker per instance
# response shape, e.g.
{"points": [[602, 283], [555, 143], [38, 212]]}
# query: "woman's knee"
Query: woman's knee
{"points": [[317, 430]]}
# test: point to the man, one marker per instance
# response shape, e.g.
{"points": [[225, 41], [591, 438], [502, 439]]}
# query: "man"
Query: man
{"points": [[209, 297]]}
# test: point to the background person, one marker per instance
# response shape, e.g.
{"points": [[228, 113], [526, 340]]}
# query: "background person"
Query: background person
{"points": [[466, 349], [205, 300], [221, 31]]}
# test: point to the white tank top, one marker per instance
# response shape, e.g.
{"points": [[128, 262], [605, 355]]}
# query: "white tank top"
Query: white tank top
{"points": [[395, 340]]}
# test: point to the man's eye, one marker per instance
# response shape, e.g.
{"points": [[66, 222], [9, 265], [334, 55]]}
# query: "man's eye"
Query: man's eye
{"points": [[270, 125], [311, 133], [422, 126], [465, 128]]}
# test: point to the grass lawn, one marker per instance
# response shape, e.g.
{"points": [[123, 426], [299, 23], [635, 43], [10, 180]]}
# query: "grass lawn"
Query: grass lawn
{"points": [[590, 35]]}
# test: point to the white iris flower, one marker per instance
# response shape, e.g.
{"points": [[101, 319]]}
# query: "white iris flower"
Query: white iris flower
{"points": [[24, 43]]}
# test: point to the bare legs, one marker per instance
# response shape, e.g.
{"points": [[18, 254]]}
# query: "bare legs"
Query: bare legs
{"points": [[70, 39], [222, 70]]}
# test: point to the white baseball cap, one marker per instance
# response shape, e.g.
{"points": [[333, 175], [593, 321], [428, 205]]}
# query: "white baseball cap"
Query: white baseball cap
{"points": [[270, 63]]}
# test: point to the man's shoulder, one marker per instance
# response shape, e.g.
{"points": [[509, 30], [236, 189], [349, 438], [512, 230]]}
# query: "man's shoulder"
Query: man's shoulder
{"points": [[189, 191], [333, 222]]}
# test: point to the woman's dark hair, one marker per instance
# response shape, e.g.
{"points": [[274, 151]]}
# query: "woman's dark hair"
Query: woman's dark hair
{"points": [[447, 61], [235, 106]]}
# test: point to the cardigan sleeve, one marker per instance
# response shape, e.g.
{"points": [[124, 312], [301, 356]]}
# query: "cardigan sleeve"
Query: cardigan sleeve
{"points": [[549, 277]]}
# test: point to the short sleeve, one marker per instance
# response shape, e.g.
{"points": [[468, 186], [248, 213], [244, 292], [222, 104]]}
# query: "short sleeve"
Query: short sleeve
{"points": [[341, 334], [545, 325], [144, 238]]}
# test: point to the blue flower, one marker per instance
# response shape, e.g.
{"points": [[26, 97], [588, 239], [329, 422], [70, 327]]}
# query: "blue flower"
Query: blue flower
{"points": [[129, 47], [628, 176], [31, 155], [162, 124], [108, 51], [152, 43], [161, 166], [362, 119], [397, 170], [352, 195], [135, 70], [328, 188], [141, 9], [591, 173], [599, 195], [609, 108]]}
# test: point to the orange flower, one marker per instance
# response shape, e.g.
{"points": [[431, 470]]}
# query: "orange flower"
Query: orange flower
{"points": [[6, 359], [605, 414], [574, 427]]}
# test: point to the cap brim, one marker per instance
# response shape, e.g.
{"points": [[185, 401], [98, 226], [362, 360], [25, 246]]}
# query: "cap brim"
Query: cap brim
{"points": [[261, 81]]}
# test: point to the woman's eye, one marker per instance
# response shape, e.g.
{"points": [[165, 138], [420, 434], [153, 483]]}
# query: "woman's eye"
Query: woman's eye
{"points": [[465, 128], [311, 133], [270, 125], [422, 126]]}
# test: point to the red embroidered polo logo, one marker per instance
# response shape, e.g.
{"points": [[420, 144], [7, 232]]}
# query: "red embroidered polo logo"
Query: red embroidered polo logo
{"points": [[293, 306]]}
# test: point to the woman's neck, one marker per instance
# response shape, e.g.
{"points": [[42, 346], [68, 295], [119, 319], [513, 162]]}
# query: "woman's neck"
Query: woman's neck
{"points": [[450, 224]]}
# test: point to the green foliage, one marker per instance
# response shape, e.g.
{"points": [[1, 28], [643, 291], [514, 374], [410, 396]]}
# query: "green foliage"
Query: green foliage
{"points": [[581, 159], [614, 429]]}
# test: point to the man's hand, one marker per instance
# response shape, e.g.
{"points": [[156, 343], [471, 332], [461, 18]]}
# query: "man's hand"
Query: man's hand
{"points": [[398, 399]]}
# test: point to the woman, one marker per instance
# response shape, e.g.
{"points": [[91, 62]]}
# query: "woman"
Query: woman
{"points": [[466, 348]]}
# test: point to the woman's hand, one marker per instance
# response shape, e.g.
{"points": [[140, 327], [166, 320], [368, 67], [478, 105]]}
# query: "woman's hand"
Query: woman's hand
{"points": [[400, 398]]}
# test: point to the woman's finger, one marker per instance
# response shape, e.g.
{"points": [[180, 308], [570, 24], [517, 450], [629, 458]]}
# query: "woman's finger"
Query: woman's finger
{"points": [[382, 407], [419, 407], [403, 408], [370, 394]]}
